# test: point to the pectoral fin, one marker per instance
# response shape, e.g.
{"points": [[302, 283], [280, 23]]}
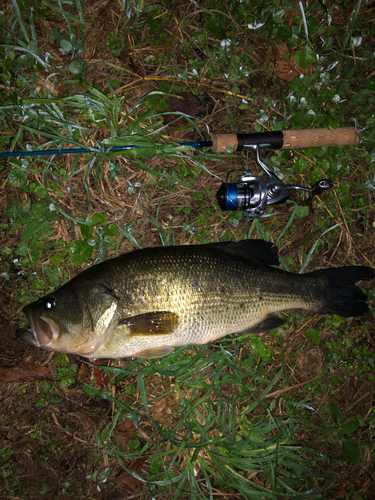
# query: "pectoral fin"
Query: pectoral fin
{"points": [[270, 322], [152, 323], [156, 352]]}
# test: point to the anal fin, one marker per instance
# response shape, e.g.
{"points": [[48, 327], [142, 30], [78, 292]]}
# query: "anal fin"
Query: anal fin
{"points": [[270, 322], [154, 352]]}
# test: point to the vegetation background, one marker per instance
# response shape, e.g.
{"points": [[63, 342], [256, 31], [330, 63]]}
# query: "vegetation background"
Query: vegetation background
{"points": [[287, 415]]}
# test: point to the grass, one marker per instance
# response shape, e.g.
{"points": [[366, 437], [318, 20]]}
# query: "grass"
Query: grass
{"points": [[216, 442], [287, 415]]}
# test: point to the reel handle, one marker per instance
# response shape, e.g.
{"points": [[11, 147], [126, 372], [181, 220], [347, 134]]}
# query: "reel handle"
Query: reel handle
{"points": [[318, 187], [306, 138]]}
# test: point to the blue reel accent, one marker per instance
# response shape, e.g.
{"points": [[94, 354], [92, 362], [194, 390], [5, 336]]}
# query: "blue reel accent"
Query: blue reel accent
{"points": [[231, 199]]}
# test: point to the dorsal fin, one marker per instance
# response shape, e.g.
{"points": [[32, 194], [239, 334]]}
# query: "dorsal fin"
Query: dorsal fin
{"points": [[262, 251]]}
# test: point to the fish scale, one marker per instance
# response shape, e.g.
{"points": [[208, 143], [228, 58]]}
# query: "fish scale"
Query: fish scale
{"points": [[147, 302]]}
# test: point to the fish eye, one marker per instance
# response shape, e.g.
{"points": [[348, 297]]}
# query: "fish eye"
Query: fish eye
{"points": [[49, 302]]}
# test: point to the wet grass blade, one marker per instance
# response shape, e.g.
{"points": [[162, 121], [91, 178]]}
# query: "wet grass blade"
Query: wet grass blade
{"points": [[308, 258], [142, 390], [18, 15]]}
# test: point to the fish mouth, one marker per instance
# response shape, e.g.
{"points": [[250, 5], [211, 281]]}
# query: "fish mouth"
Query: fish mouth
{"points": [[45, 333], [26, 335], [41, 333]]}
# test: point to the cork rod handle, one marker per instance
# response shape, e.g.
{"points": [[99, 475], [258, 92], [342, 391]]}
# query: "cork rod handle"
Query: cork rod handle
{"points": [[308, 138], [316, 138], [220, 142]]}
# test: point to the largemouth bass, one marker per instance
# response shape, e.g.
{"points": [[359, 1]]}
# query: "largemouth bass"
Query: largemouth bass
{"points": [[147, 302]]}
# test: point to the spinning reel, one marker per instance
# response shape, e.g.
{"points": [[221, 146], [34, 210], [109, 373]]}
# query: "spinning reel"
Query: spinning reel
{"points": [[252, 194]]}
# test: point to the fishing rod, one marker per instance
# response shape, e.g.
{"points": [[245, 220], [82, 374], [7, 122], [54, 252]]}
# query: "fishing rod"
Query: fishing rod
{"points": [[251, 194], [223, 143]]}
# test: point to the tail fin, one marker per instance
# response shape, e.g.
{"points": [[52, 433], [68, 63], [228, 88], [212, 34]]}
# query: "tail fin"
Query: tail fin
{"points": [[343, 296]]}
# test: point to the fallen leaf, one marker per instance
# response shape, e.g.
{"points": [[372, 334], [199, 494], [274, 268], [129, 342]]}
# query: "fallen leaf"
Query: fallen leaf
{"points": [[101, 377], [338, 16], [342, 492], [287, 69], [258, 481], [137, 464], [125, 481], [136, 67], [289, 16], [126, 428], [24, 372], [83, 371], [188, 103], [145, 436]]}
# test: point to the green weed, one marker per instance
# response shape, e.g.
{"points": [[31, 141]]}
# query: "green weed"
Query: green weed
{"points": [[223, 433]]}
